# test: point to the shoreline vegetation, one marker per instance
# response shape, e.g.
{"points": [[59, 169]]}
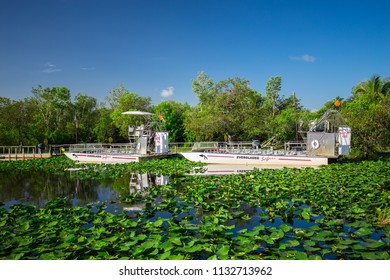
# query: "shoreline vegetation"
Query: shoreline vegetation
{"points": [[338, 211], [226, 110]]}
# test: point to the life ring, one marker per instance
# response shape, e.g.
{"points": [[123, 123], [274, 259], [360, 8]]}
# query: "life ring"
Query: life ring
{"points": [[315, 144]]}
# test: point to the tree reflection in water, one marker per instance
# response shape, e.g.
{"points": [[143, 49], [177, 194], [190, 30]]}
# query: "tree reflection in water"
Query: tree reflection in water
{"points": [[36, 188]]}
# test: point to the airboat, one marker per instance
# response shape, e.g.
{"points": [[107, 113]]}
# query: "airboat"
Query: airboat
{"points": [[327, 138], [146, 141]]}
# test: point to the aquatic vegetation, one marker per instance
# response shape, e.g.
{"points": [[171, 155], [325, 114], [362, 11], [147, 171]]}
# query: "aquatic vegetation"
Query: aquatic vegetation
{"points": [[59, 164], [339, 211], [53, 164]]}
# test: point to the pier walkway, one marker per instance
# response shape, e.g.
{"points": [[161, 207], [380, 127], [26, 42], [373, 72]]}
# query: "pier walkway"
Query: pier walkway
{"points": [[22, 153]]}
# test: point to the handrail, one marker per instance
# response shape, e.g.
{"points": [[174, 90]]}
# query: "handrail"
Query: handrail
{"points": [[20, 152]]}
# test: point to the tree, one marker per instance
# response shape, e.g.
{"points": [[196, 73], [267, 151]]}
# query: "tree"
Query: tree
{"points": [[202, 87], [199, 124], [114, 95], [228, 109], [104, 127], [237, 109], [53, 105], [5, 117], [281, 114], [173, 113], [274, 84], [12, 122], [125, 101], [87, 113], [368, 114], [284, 125], [375, 87]]}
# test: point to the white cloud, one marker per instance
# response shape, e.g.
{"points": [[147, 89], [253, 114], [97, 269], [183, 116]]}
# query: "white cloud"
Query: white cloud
{"points": [[88, 68], [304, 58], [49, 65], [50, 68], [167, 92]]}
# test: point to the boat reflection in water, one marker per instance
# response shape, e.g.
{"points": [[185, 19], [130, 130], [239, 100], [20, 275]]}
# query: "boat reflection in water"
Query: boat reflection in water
{"points": [[227, 169], [140, 184]]}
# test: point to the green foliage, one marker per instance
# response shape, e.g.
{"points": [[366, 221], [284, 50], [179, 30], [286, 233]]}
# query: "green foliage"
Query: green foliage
{"points": [[53, 110], [368, 114], [125, 101], [104, 127], [274, 85], [227, 109], [230, 109], [88, 115], [52, 164], [14, 122], [173, 113]]}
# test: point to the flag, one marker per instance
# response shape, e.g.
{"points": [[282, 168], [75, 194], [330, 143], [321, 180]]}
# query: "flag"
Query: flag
{"points": [[161, 117], [76, 120]]}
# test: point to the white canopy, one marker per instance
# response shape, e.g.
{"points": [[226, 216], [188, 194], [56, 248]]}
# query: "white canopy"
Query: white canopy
{"points": [[137, 113]]}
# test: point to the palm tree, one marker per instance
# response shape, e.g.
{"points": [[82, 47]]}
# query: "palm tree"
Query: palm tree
{"points": [[375, 86], [368, 115]]}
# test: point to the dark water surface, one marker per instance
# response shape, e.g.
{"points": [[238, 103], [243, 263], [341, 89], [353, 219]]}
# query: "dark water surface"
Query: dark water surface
{"points": [[37, 188]]}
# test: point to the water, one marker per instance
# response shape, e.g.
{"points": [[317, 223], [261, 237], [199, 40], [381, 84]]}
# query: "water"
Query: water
{"points": [[36, 188]]}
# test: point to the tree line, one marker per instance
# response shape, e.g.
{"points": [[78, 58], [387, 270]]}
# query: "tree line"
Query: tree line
{"points": [[226, 110]]}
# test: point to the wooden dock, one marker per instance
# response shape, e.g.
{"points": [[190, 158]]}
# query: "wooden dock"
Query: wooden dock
{"points": [[8, 153]]}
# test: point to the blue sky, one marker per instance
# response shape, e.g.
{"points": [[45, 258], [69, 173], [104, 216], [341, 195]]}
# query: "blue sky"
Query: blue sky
{"points": [[321, 49]]}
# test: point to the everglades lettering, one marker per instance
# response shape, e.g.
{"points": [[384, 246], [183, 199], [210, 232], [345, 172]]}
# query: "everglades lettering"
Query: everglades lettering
{"points": [[248, 157]]}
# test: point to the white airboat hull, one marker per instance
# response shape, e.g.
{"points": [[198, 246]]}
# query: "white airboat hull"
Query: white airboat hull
{"points": [[257, 160], [102, 158]]}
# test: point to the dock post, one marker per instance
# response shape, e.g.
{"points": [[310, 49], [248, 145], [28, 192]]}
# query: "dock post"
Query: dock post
{"points": [[9, 154]]}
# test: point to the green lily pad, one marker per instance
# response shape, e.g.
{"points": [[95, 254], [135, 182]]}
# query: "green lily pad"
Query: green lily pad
{"points": [[277, 234], [363, 232]]}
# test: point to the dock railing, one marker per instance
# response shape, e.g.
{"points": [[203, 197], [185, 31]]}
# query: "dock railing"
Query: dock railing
{"points": [[120, 148], [177, 147], [21, 153]]}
